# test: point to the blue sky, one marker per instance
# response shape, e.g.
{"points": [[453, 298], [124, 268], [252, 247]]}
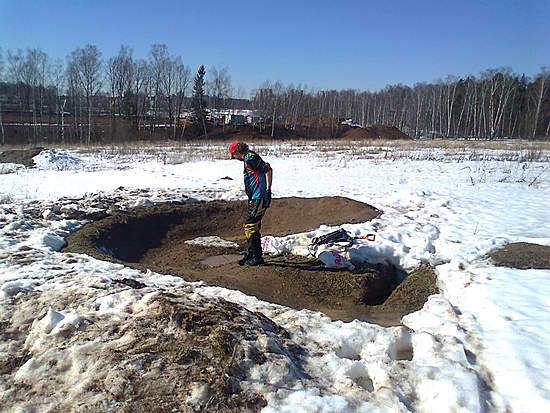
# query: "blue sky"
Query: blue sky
{"points": [[325, 44]]}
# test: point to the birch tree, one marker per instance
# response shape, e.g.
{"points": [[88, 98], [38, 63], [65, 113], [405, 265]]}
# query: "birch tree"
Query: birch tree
{"points": [[2, 80], [59, 85], [183, 79], [540, 89]]}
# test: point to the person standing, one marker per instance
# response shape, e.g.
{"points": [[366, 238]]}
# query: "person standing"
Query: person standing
{"points": [[258, 177]]}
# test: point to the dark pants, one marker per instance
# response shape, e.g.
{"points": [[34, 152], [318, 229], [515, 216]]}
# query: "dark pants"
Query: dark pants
{"points": [[252, 224]]}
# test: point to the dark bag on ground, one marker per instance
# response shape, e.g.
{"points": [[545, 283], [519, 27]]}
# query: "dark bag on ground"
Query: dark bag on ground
{"points": [[331, 238]]}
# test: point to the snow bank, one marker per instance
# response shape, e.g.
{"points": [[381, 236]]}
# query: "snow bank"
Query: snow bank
{"points": [[58, 160]]}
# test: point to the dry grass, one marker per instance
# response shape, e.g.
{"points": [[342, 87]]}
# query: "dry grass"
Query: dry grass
{"points": [[170, 152]]}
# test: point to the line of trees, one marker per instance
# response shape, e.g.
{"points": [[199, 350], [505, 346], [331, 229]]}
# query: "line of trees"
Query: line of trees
{"points": [[497, 103], [87, 98]]}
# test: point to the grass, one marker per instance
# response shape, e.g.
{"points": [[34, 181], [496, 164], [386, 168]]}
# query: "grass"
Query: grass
{"points": [[169, 152]]}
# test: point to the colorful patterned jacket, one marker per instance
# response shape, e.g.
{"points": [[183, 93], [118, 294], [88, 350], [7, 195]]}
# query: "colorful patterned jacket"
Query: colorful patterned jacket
{"points": [[255, 169]]}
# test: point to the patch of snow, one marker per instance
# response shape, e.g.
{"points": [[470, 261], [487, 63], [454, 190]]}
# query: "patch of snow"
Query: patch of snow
{"points": [[213, 242], [54, 159], [9, 168], [199, 395], [47, 239]]}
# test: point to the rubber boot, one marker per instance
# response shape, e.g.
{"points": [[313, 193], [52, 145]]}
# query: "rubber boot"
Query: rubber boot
{"points": [[255, 247], [248, 254]]}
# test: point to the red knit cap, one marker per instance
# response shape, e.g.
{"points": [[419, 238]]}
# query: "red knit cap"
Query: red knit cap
{"points": [[233, 148]]}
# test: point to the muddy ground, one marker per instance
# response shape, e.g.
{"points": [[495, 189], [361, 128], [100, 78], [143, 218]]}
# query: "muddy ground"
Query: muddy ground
{"points": [[155, 238], [522, 255], [20, 156]]}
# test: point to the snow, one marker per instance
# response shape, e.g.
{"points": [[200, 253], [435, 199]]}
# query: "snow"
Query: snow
{"points": [[212, 241], [9, 168], [479, 345], [56, 159]]}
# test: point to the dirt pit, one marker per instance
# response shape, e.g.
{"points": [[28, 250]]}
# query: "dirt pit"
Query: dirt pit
{"points": [[20, 156], [522, 255], [154, 238]]}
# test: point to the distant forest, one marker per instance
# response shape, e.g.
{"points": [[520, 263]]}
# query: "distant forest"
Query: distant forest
{"points": [[89, 98]]}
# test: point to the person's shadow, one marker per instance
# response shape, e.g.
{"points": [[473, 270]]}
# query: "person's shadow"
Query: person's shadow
{"points": [[310, 265], [317, 265]]}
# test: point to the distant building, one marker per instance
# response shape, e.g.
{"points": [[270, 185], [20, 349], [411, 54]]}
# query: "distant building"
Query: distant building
{"points": [[236, 120], [237, 117], [253, 119]]}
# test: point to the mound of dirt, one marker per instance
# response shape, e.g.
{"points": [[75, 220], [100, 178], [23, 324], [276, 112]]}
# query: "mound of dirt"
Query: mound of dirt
{"points": [[522, 255], [248, 133], [411, 294], [20, 156], [373, 132], [154, 238], [171, 353]]}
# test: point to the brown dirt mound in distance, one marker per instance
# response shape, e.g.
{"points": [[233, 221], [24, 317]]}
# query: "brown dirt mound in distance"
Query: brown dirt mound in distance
{"points": [[155, 238], [247, 133], [20, 156], [373, 132], [522, 255]]}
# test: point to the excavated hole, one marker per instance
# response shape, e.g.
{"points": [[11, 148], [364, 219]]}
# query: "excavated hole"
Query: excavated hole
{"points": [[154, 238]]}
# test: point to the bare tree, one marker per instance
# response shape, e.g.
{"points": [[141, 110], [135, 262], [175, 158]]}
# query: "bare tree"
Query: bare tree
{"points": [[15, 65], [59, 85], [451, 84], [86, 65], [75, 93], [1, 80], [158, 64], [120, 73], [182, 81], [141, 90], [540, 88], [220, 85], [277, 91], [169, 87], [220, 88]]}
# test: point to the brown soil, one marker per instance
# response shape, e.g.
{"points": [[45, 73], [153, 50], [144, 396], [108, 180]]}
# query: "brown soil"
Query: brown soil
{"points": [[522, 255], [20, 156], [410, 295], [381, 132], [154, 238]]}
